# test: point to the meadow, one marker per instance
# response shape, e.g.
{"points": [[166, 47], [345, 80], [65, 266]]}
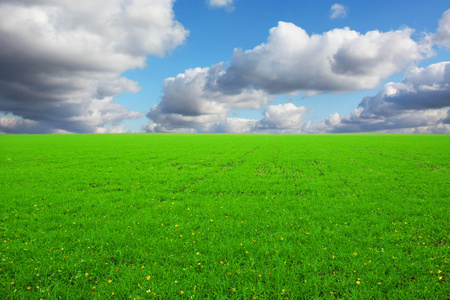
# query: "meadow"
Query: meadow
{"points": [[178, 216]]}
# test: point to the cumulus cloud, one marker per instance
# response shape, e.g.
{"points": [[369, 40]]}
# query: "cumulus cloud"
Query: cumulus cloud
{"points": [[419, 104], [442, 36], [193, 100], [235, 125], [290, 62], [338, 11], [60, 61], [340, 60], [282, 117]]}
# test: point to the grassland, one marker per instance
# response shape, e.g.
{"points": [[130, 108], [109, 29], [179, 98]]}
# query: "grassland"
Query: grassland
{"points": [[148, 216]]}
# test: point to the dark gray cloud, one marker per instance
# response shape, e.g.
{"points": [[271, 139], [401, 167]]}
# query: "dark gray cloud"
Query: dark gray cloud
{"points": [[193, 100], [60, 61], [420, 103], [10, 125]]}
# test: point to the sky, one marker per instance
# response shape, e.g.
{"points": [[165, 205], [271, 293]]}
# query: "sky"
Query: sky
{"points": [[219, 66]]}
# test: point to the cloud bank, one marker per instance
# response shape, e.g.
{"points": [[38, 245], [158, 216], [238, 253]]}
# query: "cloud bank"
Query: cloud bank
{"points": [[60, 61], [419, 104], [61, 64], [290, 62]]}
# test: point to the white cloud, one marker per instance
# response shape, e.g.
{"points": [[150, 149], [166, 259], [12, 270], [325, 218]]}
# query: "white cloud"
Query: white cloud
{"points": [[228, 4], [282, 116], [442, 36], [64, 58], [338, 11], [340, 60], [114, 129], [236, 125]]}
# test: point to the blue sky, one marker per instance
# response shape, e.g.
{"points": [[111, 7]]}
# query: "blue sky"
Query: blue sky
{"points": [[89, 67]]}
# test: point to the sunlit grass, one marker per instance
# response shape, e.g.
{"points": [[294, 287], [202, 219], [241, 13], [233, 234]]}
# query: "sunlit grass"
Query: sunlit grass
{"points": [[224, 216]]}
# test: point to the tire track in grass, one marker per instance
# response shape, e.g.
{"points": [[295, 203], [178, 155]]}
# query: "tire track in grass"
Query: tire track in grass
{"points": [[231, 164], [347, 185], [321, 173]]}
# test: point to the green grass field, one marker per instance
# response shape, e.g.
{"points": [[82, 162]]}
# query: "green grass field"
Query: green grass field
{"points": [[148, 216]]}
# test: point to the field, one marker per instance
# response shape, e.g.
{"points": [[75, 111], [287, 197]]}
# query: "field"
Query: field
{"points": [[148, 216]]}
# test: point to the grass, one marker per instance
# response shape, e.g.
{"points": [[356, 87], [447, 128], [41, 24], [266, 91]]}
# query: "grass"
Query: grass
{"points": [[148, 216]]}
